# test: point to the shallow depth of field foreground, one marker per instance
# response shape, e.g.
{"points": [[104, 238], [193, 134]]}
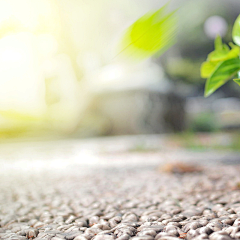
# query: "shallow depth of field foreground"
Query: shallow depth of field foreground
{"points": [[117, 193]]}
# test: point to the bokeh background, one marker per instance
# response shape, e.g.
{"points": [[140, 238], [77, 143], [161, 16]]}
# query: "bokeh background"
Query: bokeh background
{"points": [[61, 76]]}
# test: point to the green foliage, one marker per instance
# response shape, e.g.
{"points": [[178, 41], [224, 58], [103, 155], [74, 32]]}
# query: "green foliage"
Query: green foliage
{"points": [[204, 122], [214, 140], [221, 74], [207, 69], [237, 80], [184, 69], [223, 63], [151, 34], [236, 31]]}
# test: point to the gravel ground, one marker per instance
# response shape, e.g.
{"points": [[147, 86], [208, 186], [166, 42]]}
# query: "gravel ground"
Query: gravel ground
{"points": [[105, 203]]}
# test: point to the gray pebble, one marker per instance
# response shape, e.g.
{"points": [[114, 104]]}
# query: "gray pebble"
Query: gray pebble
{"points": [[32, 233], [72, 228], [70, 219], [215, 226], [149, 232], [191, 225], [131, 231], [57, 238], [73, 234], [101, 226], [124, 237], [192, 233], [228, 221], [92, 231], [80, 237], [205, 230], [94, 220], [171, 230], [202, 236], [156, 228], [176, 224], [129, 217], [143, 238], [232, 231], [103, 237], [236, 222], [220, 236], [167, 238]]}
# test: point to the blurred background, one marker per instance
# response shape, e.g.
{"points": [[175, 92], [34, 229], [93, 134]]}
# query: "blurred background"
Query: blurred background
{"points": [[60, 77]]}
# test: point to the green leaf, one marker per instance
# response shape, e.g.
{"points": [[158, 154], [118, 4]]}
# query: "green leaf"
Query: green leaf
{"points": [[236, 31], [221, 75], [219, 55], [222, 51], [152, 33], [224, 54], [207, 68], [237, 80], [234, 52], [218, 43]]}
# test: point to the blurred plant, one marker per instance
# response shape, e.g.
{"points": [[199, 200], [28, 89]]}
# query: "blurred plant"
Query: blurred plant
{"points": [[205, 122], [229, 141], [184, 69], [151, 34], [142, 147], [223, 63], [16, 124]]}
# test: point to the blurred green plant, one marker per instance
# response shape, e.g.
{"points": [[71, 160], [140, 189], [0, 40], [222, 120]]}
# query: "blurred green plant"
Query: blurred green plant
{"points": [[143, 147], [151, 34], [228, 141], [185, 70], [204, 122], [223, 63], [15, 124]]}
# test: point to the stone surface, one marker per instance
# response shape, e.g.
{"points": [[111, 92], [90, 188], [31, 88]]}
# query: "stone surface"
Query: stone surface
{"points": [[128, 201]]}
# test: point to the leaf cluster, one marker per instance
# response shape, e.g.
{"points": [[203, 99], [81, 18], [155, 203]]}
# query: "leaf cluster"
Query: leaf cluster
{"points": [[223, 63]]}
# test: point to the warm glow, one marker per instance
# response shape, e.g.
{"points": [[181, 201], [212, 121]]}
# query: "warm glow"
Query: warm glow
{"points": [[28, 58], [54, 56], [24, 12], [21, 86]]}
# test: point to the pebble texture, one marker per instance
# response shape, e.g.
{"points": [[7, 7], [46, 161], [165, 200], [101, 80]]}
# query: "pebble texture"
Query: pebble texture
{"points": [[120, 203]]}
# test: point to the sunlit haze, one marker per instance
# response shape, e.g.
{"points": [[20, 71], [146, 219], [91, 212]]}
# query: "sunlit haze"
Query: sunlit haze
{"points": [[52, 54]]}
